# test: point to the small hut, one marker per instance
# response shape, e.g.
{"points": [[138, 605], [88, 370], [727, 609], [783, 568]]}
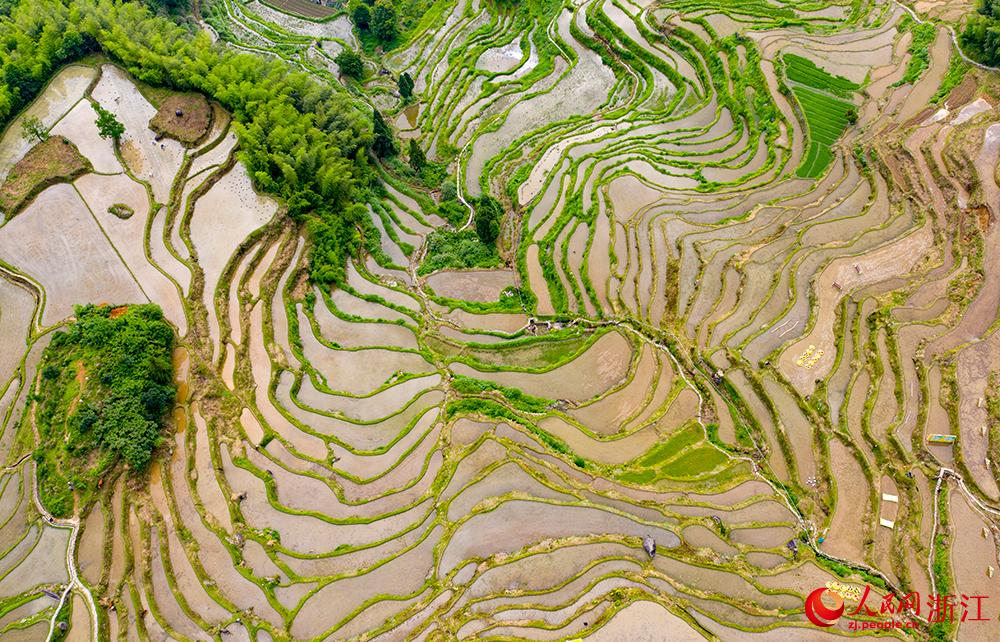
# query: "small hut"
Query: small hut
{"points": [[649, 545]]}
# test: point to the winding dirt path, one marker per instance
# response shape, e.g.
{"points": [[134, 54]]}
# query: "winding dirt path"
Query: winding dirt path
{"points": [[74, 525], [74, 578]]}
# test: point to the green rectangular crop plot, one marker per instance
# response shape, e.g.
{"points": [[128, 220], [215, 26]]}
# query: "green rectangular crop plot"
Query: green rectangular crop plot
{"points": [[816, 161], [821, 95], [826, 120], [804, 71]]}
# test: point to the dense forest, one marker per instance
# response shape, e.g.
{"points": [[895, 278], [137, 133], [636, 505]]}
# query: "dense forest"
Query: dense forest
{"points": [[105, 384], [301, 141], [981, 37]]}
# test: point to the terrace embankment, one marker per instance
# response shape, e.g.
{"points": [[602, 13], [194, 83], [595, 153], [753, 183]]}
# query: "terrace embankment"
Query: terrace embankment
{"points": [[744, 269]]}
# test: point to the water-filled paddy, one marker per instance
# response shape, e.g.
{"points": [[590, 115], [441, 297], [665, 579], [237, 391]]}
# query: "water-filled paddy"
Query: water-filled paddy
{"points": [[655, 232]]}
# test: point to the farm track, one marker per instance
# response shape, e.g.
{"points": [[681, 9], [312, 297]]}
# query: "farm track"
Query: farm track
{"points": [[713, 280]]}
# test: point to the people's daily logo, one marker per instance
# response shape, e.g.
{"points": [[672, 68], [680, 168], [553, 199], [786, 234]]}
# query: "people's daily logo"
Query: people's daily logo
{"points": [[820, 614]]}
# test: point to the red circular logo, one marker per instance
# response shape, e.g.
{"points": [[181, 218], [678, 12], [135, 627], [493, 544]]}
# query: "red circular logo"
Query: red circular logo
{"points": [[820, 614]]}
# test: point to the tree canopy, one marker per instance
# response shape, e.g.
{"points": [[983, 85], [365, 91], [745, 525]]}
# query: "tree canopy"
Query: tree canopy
{"points": [[383, 145], [489, 214], [405, 84], [417, 157], [361, 14], [171, 6], [350, 64], [32, 128], [981, 36], [384, 21], [107, 125]]}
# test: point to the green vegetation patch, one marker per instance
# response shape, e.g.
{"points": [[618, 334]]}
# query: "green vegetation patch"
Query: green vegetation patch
{"points": [[457, 250], [806, 72], [104, 385], [54, 160], [820, 95], [193, 123], [958, 87], [476, 406], [920, 49], [826, 118], [121, 210], [695, 462], [686, 455], [665, 450], [530, 352], [521, 401]]}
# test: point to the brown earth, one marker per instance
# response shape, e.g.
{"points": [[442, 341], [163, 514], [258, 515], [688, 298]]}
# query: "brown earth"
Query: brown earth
{"points": [[52, 161], [962, 94], [924, 114], [983, 217], [191, 126], [303, 8]]}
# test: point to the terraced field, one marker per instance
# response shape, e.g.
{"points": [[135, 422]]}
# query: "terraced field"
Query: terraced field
{"points": [[744, 272]]}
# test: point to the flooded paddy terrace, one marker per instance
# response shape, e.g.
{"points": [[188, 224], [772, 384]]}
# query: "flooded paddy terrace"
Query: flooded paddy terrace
{"points": [[723, 356]]}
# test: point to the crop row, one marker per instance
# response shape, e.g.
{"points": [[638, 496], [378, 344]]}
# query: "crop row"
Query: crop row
{"points": [[806, 72], [826, 117], [816, 161]]}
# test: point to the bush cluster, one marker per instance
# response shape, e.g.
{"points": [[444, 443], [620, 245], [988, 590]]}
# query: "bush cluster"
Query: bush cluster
{"points": [[458, 250], [129, 384]]}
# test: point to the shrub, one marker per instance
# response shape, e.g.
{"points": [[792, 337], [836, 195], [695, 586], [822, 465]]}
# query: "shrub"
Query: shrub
{"points": [[121, 210], [454, 212], [405, 84], [488, 217], [383, 21], [107, 124], [350, 64]]}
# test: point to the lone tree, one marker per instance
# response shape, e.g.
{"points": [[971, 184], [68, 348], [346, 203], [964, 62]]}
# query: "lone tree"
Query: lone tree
{"points": [[108, 126], [350, 64], [383, 21], [32, 127], [417, 158], [406, 86], [488, 216], [361, 14], [382, 145]]}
